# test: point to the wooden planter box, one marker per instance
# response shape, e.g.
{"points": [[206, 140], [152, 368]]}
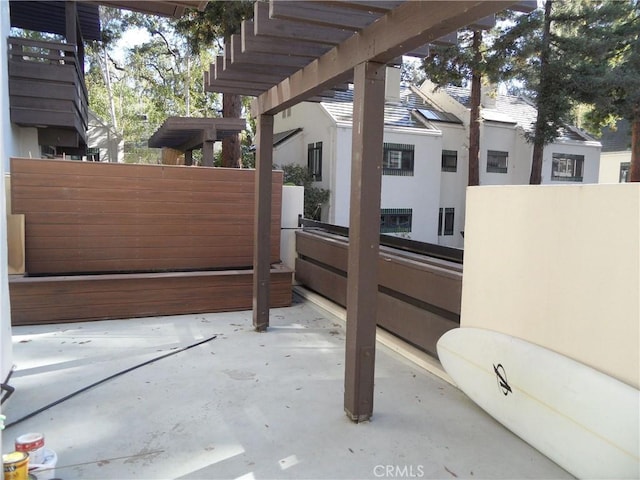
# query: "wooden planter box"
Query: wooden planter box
{"points": [[117, 240]]}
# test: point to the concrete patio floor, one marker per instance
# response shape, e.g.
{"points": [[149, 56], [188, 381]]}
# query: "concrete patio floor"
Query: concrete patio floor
{"points": [[245, 405]]}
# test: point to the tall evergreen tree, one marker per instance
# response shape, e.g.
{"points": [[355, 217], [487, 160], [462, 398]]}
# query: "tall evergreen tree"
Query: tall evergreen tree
{"points": [[607, 75], [205, 29], [528, 50], [457, 65], [584, 51]]}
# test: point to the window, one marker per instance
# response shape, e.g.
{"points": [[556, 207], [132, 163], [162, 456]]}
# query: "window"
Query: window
{"points": [[449, 160], [624, 171], [497, 161], [567, 167], [395, 220], [445, 221], [314, 161], [397, 159], [93, 154], [286, 113]]}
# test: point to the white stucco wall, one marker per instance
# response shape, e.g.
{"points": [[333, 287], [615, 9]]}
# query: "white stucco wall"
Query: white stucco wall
{"points": [[420, 192], [610, 166], [559, 266], [341, 177], [453, 184], [6, 150], [317, 126], [292, 206], [590, 150]]}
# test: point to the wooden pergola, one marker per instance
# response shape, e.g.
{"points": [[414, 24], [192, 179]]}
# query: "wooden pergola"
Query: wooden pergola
{"points": [[299, 51], [189, 133]]}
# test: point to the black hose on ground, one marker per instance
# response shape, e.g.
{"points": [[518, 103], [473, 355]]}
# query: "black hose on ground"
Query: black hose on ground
{"points": [[84, 389]]}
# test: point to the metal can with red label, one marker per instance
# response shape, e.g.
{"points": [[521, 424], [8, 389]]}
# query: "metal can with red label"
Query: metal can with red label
{"points": [[33, 444]]}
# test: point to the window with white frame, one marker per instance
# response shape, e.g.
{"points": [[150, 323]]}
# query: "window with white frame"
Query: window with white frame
{"points": [[446, 217], [397, 159], [314, 161], [567, 167], [395, 220], [497, 161]]}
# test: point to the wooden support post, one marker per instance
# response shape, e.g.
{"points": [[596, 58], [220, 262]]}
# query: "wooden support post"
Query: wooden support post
{"points": [[188, 157], [71, 22], [364, 233], [208, 140], [262, 222]]}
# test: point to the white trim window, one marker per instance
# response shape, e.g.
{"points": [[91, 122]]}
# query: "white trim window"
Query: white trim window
{"points": [[567, 167]]}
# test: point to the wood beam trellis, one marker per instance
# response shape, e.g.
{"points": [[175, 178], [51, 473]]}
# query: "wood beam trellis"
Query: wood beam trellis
{"points": [[294, 51]]}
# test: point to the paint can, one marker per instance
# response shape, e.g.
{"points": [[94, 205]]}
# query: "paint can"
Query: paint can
{"points": [[33, 444], [15, 466]]}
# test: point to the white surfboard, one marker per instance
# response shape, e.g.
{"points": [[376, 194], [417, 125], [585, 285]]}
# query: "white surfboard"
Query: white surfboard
{"points": [[585, 421]]}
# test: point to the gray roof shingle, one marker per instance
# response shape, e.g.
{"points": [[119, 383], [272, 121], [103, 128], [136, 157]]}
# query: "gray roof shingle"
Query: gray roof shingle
{"points": [[618, 139], [517, 109], [340, 107]]}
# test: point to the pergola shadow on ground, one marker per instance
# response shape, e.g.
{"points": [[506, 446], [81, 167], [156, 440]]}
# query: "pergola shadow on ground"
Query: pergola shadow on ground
{"points": [[245, 405]]}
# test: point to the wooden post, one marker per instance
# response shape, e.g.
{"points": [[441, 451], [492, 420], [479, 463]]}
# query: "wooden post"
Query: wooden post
{"points": [[208, 139], [188, 157], [364, 233], [262, 222], [71, 22]]}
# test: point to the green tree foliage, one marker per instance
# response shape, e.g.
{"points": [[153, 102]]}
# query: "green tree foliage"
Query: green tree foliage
{"points": [[460, 64], [213, 26], [584, 51], [567, 53], [154, 80], [607, 75], [530, 49], [314, 197]]}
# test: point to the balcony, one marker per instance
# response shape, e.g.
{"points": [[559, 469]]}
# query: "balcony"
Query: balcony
{"points": [[47, 91]]}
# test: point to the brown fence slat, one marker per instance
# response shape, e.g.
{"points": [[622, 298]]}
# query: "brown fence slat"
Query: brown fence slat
{"points": [[98, 297], [99, 217], [419, 297]]}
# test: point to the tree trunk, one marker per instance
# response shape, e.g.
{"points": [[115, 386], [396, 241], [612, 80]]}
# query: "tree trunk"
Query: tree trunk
{"points": [[231, 108], [107, 81], [474, 117], [634, 170], [545, 85]]}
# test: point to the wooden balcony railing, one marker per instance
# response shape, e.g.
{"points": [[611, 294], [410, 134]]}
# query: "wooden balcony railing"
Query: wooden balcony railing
{"points": [[47, 90]]}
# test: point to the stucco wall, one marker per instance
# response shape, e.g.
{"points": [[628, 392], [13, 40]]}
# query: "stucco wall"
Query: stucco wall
{"points": [[558, 266], [6, 149], [610, 166]]}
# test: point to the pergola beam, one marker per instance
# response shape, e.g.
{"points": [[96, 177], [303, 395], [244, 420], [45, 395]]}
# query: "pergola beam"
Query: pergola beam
{"points": [[334, 15], [264, 44], [411, 25], [271, 27]]}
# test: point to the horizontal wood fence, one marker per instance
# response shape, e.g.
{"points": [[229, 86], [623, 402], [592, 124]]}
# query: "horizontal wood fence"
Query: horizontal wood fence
{"points": [[419, 297], [116, 240], [86, 217]]}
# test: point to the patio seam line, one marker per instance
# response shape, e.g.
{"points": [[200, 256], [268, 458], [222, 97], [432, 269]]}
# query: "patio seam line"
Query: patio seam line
{"points": [[414, 355]]}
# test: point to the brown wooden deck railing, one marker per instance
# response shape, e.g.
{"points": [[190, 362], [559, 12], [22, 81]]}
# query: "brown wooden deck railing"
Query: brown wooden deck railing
{"points": [[46, 85]]}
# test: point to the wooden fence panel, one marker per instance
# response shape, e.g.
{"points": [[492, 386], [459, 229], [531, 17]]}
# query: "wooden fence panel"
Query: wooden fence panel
{"points": [[419, 297], [85, 217]]}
